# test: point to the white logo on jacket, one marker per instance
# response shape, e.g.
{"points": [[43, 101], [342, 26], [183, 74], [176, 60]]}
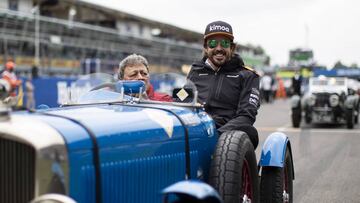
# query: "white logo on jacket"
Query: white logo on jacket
{"points": [[232, 76], [254, 97]]}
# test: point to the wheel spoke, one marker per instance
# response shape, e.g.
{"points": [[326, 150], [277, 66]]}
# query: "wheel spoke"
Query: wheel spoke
{"points": [[285, 186], [246, 183]]}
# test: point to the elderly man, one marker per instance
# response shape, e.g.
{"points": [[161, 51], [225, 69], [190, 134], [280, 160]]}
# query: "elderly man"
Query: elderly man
{"points": [[136, 67]]}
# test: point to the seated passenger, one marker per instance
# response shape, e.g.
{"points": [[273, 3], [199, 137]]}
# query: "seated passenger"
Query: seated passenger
{"points": [[228, 89], [136, 67]]}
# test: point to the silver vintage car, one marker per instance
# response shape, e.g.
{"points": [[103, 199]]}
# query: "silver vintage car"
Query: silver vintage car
{"points": [[328, 100]]}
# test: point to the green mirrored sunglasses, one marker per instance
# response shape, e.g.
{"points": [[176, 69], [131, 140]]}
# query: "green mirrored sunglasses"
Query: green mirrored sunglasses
{"points": [[224, 43]]}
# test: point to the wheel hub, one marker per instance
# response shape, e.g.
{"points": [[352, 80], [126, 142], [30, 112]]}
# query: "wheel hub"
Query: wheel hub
{"points": [[285, 196], [246, 199], [246, 183]]}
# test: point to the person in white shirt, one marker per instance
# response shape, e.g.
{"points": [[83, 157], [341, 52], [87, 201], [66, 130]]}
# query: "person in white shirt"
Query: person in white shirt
{"points": [[265, 84]]}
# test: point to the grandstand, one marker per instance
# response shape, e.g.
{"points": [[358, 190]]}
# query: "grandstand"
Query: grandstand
{"points": [[73, 37]]}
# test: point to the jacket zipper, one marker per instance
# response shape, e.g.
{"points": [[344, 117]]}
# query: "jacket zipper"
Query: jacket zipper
{"points": [[219, 86], [211, 89]]}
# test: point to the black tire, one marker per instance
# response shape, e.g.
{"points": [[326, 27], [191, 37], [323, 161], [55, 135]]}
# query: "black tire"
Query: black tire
{"points": [[276, 183], [296, 117], [308, 119], [234, 160], [350, 118]]}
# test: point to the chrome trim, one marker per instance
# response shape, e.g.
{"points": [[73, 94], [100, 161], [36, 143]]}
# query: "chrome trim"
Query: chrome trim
{"points": [[51, 152], [53, 198], [322, 109]]}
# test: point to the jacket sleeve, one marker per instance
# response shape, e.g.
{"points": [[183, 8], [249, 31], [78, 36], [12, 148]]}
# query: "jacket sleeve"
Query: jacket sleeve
{"points": [[190, 74], [248, 104]]}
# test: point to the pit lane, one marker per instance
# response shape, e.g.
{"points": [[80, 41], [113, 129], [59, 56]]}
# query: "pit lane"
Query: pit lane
{"points": [[326, 157]]}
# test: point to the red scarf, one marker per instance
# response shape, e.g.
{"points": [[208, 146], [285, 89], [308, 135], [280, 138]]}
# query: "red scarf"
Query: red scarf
{"points": [[157, 96]]}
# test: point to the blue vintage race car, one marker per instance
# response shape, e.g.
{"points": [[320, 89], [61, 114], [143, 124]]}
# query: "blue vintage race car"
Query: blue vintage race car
{"points": [[111, 144]]}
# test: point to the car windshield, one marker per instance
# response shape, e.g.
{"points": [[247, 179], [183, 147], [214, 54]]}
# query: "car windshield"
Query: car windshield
{"points": [[324, 84], [328, 81], [103, 88]]}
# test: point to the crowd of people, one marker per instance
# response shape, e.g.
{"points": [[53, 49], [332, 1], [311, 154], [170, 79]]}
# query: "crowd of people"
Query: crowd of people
{"points": [[273, 87]]}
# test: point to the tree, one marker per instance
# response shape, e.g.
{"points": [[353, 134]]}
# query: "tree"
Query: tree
{"points": [[354, 65], [339, 65]]}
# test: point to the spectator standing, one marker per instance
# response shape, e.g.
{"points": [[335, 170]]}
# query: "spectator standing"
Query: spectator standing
{"points": [[9, 75], [266, 85], [29, 93], [296, 82]]}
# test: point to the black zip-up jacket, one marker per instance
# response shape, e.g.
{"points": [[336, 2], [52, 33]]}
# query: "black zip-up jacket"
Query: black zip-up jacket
{"points": [[230, 95]]}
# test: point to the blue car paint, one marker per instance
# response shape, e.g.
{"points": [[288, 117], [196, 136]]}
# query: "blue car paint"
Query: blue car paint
{"points": [[131, 153], [81, 170], [274, 149]]}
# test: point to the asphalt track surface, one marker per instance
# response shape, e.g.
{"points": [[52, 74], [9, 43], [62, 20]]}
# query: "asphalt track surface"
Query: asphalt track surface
{"points": [[326, 157]]}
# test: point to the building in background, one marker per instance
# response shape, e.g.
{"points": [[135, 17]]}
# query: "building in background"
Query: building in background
{"points": [[301, 57], [71, 37]]}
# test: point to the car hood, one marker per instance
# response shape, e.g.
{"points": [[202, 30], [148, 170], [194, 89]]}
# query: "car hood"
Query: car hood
{"points": [[115, 125]]}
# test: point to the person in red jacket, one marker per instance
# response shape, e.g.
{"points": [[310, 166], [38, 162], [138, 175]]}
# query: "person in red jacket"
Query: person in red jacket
{"points": [[9, 76], [136, 67]]}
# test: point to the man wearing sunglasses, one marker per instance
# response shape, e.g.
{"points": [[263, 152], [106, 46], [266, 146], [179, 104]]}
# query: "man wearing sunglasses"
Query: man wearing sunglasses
{"points": [[228, 89]]}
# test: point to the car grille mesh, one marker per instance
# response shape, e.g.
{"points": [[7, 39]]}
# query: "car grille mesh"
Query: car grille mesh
{"points": [[322, 99], [141, 180], [17, 171]]}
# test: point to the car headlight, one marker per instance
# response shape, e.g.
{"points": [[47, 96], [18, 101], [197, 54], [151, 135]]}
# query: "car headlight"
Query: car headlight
{"points": [[311, 100], [334, 100]]}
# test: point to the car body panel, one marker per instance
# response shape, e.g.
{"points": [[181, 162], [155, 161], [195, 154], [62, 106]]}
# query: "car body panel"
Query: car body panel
{"points": [[330, 85], [126, 149], [153, 151]]}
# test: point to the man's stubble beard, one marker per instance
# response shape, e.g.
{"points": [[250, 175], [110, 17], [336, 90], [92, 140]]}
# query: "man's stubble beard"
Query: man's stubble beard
{"points": [[210, 57]]}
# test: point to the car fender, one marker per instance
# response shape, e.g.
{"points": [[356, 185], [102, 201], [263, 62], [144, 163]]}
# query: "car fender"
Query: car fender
{"points": [[274, 149], [304, 101]]}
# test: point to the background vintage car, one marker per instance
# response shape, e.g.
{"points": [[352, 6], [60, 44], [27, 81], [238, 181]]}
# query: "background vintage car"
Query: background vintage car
{"points": [[328, 100], [111, 147]]}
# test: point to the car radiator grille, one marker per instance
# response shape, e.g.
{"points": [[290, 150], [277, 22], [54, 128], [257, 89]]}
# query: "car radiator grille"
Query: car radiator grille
{"points": [[17, 171], [322, 100], [141, 180]]}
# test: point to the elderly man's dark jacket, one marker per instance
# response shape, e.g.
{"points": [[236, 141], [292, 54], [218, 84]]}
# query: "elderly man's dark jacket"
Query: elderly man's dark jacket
{"points": [[230, 95]]}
